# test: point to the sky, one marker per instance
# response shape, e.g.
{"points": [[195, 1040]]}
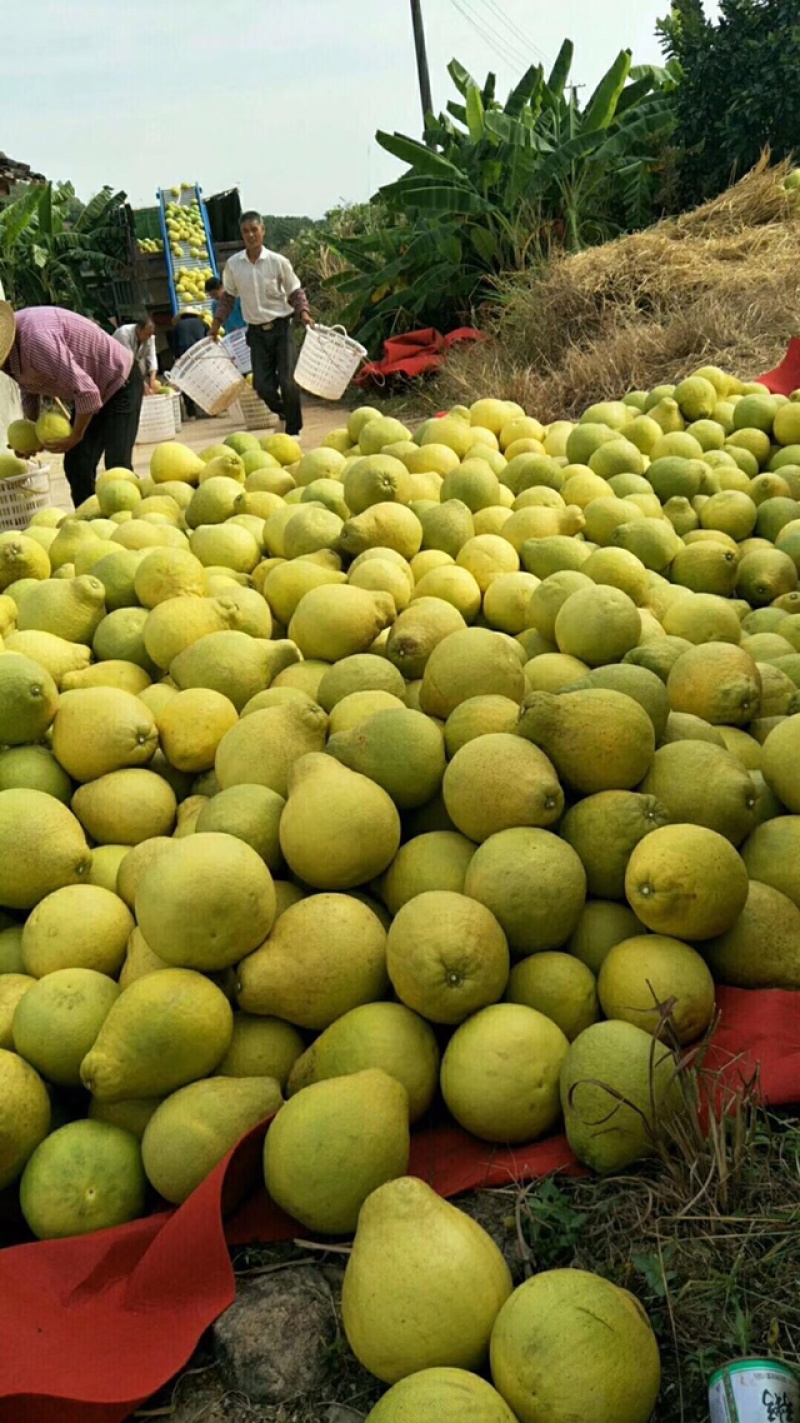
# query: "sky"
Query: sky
{"points": [[280, 98]]}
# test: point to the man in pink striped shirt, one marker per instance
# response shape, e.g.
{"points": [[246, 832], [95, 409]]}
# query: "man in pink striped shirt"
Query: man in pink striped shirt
{"points": [[57, 353]]}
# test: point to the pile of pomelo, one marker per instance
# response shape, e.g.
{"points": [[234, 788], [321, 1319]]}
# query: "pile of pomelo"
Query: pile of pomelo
{"points": [[458, 764]]}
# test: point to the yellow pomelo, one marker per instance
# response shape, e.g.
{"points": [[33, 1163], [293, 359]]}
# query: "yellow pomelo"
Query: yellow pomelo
{"points": [[470, 663], [500, 1073], [69, 607], [131, 1116], [57, 1022], [80, 926], [375, 1035], [659, 984], [326, 954], [597, 739], [165, 1030], [191, 1131], [11, 949], [552, 671], [233, 663], [533, 883], [500, 780], [55, 654], [265, 745], [167, 573], [478, 716], [505, 602], [760, 949], [86, 1176], [357, 707], [334, 622], [487, 555], [704, 785], [28, 699], [106, 860], [687, 881], [24, 1114], [227, 545], [335, 1143], [384, 525], [717, 682], [250, 813], [124, 807], [598, 626], [123, 732], [423, 1286], [42, 847], [453, 585], [13, 987], [595, 1354], [448, 1395], [558, 985], [338, 829], [261, 1047], [616, 1087], [447, 956], [192, 725], [604, 828], [402, 751], [174, 461], [206, 904]]}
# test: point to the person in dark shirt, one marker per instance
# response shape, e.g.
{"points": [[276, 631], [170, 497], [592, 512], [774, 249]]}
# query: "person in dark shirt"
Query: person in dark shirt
{"points": [[188, 327]]}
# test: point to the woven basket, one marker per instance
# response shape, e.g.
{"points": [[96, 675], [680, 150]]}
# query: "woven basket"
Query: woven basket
{"points": [[156, 421], [209, 377], [238, 350], [328, 360], [23, 495], [255, 414]]}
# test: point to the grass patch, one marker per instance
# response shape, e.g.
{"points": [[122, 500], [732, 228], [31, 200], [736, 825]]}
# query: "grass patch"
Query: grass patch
{"points": [[719, 285]]}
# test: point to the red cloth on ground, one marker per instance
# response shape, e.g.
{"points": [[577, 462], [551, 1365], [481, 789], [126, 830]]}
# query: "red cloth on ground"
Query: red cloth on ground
{"points": [[413, 354], [91, 1326], [786, 376]]}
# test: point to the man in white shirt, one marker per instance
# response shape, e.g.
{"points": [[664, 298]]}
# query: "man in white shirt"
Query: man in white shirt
{"points": [[270, 294], [139, 337]]}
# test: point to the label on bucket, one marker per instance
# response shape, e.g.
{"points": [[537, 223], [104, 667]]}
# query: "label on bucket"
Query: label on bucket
{"points": [[754, 1391]]}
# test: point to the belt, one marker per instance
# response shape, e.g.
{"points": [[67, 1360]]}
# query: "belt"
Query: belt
{"points": [[261, 325]]}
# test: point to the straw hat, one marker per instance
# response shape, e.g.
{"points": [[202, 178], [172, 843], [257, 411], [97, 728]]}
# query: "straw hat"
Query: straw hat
{"points": [[7, 330]]}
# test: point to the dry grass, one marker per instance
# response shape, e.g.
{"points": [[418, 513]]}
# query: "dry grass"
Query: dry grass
{"points": [[719, 285]]}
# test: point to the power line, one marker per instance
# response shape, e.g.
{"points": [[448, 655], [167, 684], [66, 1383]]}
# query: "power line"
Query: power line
{"points": [[516, 33], [486, 35]]}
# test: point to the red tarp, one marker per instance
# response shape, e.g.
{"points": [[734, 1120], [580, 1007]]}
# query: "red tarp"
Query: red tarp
{"points": [[413, 354], [785, 377], [91, 1326]]}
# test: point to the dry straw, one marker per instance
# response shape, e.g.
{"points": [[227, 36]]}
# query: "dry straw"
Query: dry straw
{"points": [[719, 285]]}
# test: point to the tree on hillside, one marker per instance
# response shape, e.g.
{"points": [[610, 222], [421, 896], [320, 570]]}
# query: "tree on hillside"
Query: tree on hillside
{"points": [[738, 92]]}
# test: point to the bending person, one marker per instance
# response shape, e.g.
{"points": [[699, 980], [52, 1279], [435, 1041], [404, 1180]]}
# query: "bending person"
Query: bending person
{"points": [[52, 352]]}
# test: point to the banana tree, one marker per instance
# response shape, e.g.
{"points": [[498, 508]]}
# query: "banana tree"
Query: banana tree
{"points": [[50, 257], [492, 187]]}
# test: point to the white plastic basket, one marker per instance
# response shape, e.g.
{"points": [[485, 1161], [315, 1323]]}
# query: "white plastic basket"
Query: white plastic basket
{"points": [[238, 350], [209, 377], [328, 360], [156, 420], [23, 495], [177, 413], [255, 413]]}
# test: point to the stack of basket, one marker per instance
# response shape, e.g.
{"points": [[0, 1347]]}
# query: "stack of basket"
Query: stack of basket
{"points": [[254, 413], [23, 495], [156, 421]]}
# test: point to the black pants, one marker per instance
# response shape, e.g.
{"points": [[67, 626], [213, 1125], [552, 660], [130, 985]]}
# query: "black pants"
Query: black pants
{"points": [[274, 355], [111, 432]]}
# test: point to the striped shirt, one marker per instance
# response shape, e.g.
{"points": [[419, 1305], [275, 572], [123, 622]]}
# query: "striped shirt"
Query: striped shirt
{"points": [[67, 357]]}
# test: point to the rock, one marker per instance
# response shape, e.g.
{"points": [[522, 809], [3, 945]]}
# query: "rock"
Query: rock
{"points": [[272, 1343]]}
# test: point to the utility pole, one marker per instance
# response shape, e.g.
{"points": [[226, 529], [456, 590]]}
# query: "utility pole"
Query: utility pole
{"points": [[422, 60]]}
